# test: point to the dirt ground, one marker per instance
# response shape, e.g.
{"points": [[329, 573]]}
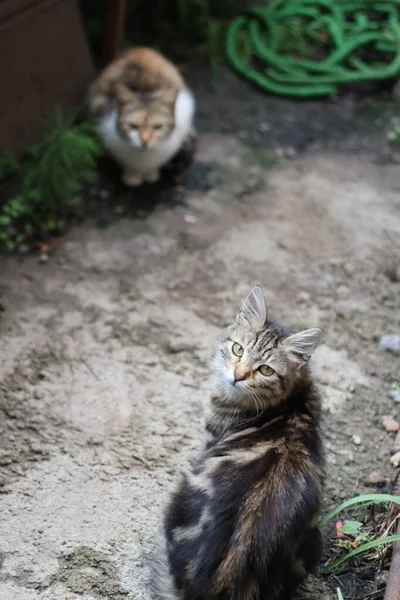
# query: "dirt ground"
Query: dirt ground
{"points": [[105, 349]]}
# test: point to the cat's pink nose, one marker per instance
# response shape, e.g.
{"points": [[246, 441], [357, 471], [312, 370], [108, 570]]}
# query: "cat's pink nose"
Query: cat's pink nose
{"points": [[237, 377]]}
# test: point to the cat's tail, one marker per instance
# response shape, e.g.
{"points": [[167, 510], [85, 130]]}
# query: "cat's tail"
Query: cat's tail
{"points": [[161, 582]]}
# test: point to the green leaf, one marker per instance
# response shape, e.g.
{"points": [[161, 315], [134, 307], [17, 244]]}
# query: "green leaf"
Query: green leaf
{"points": [[339, 594], [370, 498], [351, 527], [368, 546]]}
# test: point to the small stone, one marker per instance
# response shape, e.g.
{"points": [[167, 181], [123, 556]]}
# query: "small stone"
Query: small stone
{"points": [[290, 152], [343, 291], [348, 270], [356, 440], [44, 257], [390, 424], [395, 395], [264, 127], [390, 343], [303, 297], [367, 573], [374, 479], [395, 459], [381, 579]]}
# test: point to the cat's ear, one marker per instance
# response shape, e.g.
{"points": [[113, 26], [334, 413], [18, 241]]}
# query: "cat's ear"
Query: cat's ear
{"points": [[300, 346], [253, 310], [123, 94], [168, 94]]}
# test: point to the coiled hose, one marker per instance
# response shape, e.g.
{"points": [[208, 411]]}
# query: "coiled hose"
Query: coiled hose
{"points": [[310, 47]]}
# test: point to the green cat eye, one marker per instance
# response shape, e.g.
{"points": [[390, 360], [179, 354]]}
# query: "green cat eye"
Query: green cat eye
{"points": [[237, 350], [266, 371]]}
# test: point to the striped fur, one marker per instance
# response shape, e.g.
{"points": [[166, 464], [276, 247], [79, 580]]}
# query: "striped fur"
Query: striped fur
{"points": [[242, 522]]}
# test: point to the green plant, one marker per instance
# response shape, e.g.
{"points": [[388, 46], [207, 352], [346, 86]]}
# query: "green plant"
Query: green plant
{"points": [[51, 174], [9, 164], [339, 594], [354, 527]]}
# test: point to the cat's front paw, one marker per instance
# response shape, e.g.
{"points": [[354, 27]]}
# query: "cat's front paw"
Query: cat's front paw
{"points": [[132, 179], [152, 177]]}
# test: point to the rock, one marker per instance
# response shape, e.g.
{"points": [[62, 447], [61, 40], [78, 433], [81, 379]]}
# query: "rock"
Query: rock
{"points": [[395, 459], [343, 291], [348, 269], [290, 152], [375, 479], [390, 424], [390, 343], [367, 573], [303, 297], [44, 258], [381, 579], [264, 127], [395, 395], [356, 440]]}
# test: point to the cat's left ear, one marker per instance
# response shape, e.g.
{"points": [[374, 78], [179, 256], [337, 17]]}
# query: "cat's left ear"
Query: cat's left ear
{"points": [[253, 310], [300, 346], [123, 94]]}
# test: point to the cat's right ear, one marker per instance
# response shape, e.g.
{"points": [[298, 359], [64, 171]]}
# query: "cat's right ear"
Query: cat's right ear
{"points": [[122, 93], [253, 310]]}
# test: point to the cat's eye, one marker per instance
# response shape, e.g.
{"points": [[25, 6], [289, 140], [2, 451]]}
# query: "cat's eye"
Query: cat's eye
{"points": [[134, 126], [158, 127], [237, 349], [266, 370]]}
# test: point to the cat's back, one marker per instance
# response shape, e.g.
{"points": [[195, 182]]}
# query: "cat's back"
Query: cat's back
{"points": [[143, 69]]}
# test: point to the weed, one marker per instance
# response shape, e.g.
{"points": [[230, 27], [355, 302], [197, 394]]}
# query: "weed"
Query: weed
{"points": [[358, 538], [51, 174], [339, 594]]}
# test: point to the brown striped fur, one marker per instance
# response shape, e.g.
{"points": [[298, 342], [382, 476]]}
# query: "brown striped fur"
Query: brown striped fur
{"points": [[242, 522], [138, 69]]}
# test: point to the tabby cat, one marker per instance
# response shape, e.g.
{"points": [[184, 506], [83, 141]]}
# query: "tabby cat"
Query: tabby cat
{"points": [[243, 522], [144, 113]]}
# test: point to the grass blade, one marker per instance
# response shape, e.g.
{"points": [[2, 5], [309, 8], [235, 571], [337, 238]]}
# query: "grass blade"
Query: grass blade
{"points": [[370, 498], [374, 544]]}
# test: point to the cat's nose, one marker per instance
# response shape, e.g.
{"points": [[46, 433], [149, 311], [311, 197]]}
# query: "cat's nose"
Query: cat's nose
{"points": [[237, 377], [145, 140]]}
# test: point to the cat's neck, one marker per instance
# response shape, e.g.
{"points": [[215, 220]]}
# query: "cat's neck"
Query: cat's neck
{"points": [[222, 421]]}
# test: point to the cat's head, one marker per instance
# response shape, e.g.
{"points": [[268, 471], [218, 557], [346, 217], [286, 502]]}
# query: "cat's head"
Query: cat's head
{"points": [[257, 364], [145, 121]]}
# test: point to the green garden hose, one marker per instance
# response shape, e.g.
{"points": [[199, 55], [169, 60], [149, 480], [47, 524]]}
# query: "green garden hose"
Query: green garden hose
{"points": [[310, 47]]}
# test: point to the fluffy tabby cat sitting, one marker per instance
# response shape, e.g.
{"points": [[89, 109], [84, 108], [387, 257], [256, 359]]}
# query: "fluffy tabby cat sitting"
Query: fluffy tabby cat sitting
{"points": [[144, 112], [242, 523]]}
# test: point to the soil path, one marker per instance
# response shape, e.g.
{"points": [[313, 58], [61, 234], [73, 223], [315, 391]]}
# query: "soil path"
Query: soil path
{"points": [[105, 353]]}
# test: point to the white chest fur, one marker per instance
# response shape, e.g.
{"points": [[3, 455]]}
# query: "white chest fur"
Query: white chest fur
{"points": [[145, 160]]}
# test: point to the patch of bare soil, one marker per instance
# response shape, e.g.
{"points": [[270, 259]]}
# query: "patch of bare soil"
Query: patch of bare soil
{"points": [[105, 354]]}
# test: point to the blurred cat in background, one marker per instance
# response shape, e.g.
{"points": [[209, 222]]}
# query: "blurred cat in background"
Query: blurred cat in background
{"points": [[144, 113]]}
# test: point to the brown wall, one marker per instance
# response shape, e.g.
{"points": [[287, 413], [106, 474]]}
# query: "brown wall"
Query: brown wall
{"points": [[44, 61]]}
